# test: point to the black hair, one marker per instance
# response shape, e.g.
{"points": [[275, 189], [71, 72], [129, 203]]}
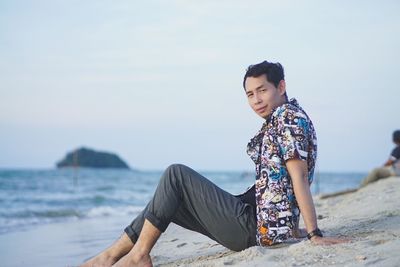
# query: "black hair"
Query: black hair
{"points": [[273, 71], [396, 136]]}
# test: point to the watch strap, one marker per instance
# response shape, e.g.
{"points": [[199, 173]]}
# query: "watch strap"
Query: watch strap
{"points": [[315, 232]]}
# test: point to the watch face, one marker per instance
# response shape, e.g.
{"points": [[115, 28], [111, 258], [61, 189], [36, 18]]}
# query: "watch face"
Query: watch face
{"points": [[316, 232]]}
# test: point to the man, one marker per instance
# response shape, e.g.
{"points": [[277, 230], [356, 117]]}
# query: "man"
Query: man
{"points": [[391, 166], [284, 152]]}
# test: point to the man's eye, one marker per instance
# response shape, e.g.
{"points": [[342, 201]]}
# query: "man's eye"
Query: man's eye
{"points": [[249, 95], [263, 89]]}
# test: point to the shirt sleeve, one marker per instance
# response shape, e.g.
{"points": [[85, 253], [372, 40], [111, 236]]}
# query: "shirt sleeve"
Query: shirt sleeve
{"points": [[395, 155], [294, 126]]}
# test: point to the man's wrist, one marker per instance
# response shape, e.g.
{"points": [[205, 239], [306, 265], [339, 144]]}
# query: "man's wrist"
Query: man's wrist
{"points": [[314, 233]]}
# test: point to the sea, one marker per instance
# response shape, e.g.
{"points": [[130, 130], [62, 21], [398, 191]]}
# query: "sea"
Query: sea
{"points": [[29, 198]]}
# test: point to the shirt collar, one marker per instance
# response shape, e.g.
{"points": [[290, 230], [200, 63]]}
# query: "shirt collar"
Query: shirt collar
{"points": [[292, 101]]}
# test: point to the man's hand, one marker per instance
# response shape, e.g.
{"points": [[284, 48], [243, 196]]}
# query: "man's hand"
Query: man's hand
{"points": [[317, 240], [298, 172]]}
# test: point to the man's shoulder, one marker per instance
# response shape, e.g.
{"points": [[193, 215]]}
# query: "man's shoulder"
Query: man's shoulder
{"points": [[290, 110]]}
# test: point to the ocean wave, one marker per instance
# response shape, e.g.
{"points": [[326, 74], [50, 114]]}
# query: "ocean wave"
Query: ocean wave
{"points": [[26, 219], [105, 188], [20, 224], [108, 211], [46, 213], [57, 213]]}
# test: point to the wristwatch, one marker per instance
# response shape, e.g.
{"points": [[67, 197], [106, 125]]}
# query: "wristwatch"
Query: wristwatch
{"points": [[315, 232]]}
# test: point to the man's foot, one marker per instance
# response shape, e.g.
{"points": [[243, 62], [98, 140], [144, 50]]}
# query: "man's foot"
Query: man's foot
{"points": [[101, 260], [111, 255], [132, 260]]}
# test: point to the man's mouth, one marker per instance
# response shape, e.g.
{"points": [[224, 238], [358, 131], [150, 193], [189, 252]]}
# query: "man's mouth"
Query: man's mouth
{"points": [[261, 110]]}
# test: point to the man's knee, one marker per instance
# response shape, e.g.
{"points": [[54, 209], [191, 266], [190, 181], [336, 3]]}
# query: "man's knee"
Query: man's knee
{"points": [[383, 172], [174, 172], [376, 174], [176, 167]]}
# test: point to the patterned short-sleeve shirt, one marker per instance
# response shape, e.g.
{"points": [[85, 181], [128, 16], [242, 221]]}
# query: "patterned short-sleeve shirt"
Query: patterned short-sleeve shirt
{"points": [[395, 157], [288, 133]]}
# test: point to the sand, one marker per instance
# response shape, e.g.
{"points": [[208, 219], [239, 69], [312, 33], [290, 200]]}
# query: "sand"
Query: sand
{"points": [[370, 217]]}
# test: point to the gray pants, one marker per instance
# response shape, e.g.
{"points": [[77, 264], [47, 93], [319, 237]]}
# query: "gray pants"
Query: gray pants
{"points": [[188, 199]]}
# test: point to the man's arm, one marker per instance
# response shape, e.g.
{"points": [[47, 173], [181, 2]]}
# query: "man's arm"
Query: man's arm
{"points": [[394, 156], [298, 172], [389, 162]]}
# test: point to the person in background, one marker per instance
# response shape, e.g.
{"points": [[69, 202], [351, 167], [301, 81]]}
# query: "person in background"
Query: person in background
{"points": [[391, 166]]}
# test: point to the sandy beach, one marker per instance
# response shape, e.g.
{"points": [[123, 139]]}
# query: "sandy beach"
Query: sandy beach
{"points": [[370, 217]]}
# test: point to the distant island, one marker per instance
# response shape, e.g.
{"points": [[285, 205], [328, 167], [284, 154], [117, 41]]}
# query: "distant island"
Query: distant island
{"points": [[86, 157]]}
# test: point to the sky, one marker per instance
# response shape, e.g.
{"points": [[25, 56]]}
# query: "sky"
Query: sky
{"points": [[160, 82]]}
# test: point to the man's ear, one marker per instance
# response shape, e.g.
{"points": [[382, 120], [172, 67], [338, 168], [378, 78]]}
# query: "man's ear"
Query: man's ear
{"points": [[282, 87]]}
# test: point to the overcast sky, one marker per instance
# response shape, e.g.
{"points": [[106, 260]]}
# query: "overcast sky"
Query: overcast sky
{"points": [[159, 82]]}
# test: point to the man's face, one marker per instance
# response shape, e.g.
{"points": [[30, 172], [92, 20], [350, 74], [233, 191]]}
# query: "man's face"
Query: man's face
{"points": [[263, 96]]}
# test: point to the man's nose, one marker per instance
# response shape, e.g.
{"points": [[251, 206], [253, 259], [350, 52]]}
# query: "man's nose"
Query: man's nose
{"points": [[257, 98]]}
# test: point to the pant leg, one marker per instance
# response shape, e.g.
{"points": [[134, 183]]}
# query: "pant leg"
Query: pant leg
{"points": [[133, 230], [188, 199], [376, 174]]}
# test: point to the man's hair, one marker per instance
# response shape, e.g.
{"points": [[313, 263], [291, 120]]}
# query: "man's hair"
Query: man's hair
{"points": [[396, 136], [273, 71]]}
